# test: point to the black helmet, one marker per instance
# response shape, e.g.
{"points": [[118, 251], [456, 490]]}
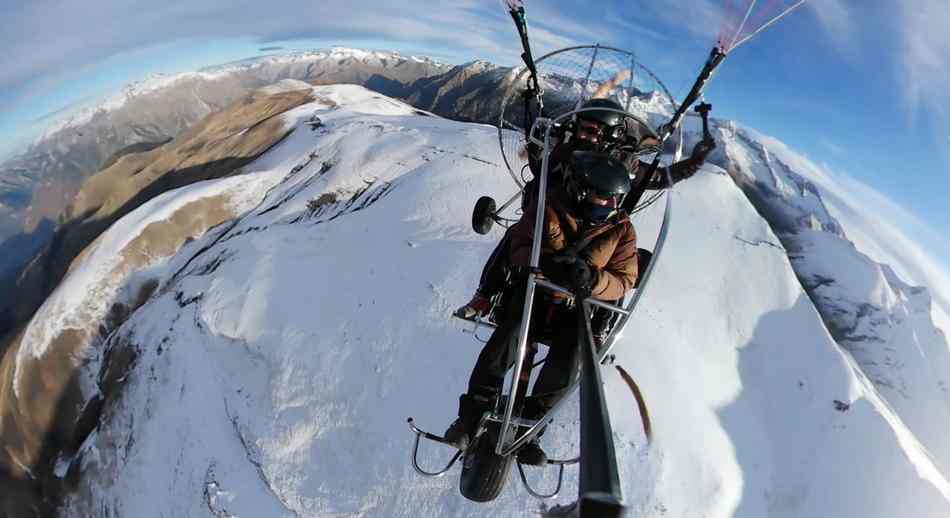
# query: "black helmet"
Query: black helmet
{"points": [[607, 118], [595, 185], [598, 128]]}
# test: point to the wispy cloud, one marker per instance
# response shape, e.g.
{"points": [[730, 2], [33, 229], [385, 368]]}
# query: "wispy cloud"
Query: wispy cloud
{"points": [[924, 68], [839, 22], [41, 40], [910, 37], [702, 22]]}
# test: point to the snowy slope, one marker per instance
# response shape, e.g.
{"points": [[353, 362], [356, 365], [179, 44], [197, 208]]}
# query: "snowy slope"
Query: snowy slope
{"points": [[281, 354], [859, 210], [888, 325]]}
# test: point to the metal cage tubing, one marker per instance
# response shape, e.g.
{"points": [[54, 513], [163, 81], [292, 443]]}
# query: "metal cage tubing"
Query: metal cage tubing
{"points": [[615, 332], [500, 448], [523, 70], [501, 144], [633, 67], [590, 69], [529, 294], [536, 428], [633, 56], [590, 300], [618, 328], [510, 201]]}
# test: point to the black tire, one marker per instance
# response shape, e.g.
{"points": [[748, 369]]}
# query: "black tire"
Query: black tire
{"points": [[482, 214], [484, 473]]}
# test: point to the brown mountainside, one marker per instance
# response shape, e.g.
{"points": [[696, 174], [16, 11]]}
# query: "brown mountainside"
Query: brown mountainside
{"points": [[48, 419]]}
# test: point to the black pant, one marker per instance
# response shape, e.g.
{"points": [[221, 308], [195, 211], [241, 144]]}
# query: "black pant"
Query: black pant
{"points": [[494, 272], [552, 324]]}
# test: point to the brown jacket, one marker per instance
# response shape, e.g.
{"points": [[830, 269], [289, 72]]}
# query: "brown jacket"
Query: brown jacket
{"points": [[611, 251]]}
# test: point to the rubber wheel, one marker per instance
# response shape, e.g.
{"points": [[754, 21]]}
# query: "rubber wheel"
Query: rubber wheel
{"points": [[482, 214], [484, 473]]}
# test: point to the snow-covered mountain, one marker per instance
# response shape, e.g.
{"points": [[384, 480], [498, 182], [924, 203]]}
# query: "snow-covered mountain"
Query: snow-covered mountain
{"points": [[266, 367], [889, 326], [41, 184], [160, 107]]}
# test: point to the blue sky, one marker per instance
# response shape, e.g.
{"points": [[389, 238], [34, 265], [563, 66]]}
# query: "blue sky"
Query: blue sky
{"points": [[861, 87]]}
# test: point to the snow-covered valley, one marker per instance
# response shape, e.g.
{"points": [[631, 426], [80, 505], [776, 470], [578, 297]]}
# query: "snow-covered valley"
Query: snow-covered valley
{"points": [[278, 354]]}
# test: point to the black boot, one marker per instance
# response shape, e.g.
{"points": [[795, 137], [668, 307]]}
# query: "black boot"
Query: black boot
{"points": [[531, 454], [458, 434], [471, 408]]}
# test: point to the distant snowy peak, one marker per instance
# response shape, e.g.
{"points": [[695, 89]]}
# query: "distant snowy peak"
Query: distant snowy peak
{"points": [[770, 177], [371, 57], [480, 65], [884, 322], [84, 113]]}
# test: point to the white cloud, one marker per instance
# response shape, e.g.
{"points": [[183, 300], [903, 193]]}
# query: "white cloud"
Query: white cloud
{"points": [[925, 61], [40, 39], [925, 70], [702, 21], [908, 36], [838, 19]]}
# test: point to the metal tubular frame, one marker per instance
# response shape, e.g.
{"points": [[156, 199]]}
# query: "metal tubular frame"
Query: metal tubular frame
{"points": [[560, 478], [521, 76], [599, 488], [633, 68], [503, 447], [414, 456], [508, 203], [590, 69]]}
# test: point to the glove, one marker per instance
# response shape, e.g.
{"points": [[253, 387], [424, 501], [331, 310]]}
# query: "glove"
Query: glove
{"points": [[578, 272], [701, 150], [555, 269], [582, 276], [687, 168]]}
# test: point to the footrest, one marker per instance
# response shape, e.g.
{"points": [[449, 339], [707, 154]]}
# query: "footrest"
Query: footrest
{"points": [[432, 437], [520, 421], [427, 435], [478, 321]]}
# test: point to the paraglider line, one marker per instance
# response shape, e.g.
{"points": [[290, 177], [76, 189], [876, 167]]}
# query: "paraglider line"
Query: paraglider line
{"points": [[768, 24], [742, 25]]}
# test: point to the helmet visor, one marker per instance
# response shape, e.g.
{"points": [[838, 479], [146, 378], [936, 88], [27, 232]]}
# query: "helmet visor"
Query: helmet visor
{"points": [[603, 200], [590, 131]]}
